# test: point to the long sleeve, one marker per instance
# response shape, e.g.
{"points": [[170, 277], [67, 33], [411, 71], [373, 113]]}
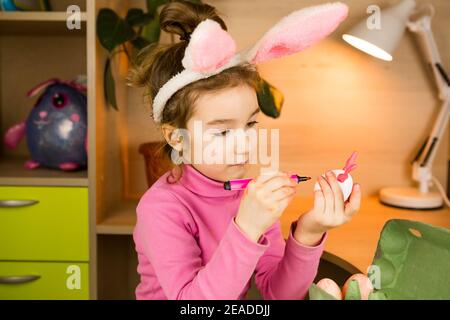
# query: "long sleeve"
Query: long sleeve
{"points": [[287, 268], [168, 240]]}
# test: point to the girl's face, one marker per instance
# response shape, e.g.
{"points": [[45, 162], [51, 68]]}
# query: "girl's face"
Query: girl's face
{"points": [[220, 132]]}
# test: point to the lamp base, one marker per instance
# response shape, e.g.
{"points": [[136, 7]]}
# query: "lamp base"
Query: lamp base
{"points": [[411, 199]]}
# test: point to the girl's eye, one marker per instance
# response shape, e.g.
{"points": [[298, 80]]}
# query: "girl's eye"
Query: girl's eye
{"points": [[252, 124], [222, 133]]}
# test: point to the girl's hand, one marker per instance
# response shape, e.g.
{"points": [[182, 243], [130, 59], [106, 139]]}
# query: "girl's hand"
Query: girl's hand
{"points": [[329, 210], [263, 203]]}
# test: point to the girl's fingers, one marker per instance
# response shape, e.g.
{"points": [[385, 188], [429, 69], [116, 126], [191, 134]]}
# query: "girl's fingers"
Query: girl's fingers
{"points": [[277, 182], [282, 193], [284, 202], [264, 177], [281, 204], [337, 192], [328, 194], [319, 201], [354, 202]]}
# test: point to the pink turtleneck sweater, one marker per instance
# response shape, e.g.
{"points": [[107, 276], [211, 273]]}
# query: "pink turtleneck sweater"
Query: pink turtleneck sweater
{"points": [[189, 246]]}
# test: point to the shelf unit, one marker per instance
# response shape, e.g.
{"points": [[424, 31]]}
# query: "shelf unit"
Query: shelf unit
{"points": [[19, 34], [13, 173], [120, 221], [34, 47], [39, 23], [48, 49], [114, 207], [37, 17]]}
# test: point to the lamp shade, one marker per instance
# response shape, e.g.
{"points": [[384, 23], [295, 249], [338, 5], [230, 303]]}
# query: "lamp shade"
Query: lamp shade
{"points": [[382, 42]]}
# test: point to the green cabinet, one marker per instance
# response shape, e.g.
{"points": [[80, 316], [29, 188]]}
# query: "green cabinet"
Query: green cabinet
{"points": [[44, 242], [44, 280], [44, 223]]}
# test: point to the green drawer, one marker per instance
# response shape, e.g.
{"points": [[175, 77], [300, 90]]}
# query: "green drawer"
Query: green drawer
{"points": [[44, 280], [54, 228]]}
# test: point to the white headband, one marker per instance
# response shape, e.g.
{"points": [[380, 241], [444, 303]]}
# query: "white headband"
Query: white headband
{"points": [[212, 50]]}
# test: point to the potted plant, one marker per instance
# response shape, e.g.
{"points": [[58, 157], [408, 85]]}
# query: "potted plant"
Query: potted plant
{"points": [[137, 30]]}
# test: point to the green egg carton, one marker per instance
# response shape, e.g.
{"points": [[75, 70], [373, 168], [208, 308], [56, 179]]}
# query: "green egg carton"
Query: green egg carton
{"points": [[412, 261]]}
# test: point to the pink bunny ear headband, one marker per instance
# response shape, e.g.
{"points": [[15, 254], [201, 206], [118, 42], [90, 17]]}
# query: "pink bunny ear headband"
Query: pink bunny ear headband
{"points": [[211, 49]]}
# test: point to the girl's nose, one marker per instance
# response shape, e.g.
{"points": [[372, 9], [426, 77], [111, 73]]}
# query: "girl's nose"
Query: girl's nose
{"points": [[242, 145], [43, 114]]}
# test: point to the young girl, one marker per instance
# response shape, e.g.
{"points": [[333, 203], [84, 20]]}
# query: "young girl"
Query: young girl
{"points": [[196, 240]]}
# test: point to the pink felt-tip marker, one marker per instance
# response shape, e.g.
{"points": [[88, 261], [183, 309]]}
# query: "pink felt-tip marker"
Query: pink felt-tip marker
{"points": [[241, 184]]}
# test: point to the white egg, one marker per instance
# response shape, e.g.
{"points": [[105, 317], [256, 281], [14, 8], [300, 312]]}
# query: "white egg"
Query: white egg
{"points": [[346, 186]]}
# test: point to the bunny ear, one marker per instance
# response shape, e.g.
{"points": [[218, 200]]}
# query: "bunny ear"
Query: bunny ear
{"points": [[298, 31], [41, 87], [210, 47]]}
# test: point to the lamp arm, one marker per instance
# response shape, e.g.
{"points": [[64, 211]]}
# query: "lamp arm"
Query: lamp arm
{"points": [[422, 27], [422, 164]]}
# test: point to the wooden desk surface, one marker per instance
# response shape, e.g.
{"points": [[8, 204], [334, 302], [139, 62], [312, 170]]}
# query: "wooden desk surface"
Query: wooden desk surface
{"points": [[356, 241]]}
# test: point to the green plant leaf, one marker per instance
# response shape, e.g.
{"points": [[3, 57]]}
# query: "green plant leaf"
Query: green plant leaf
{"points": [[112, 30], [109, 85], [152, 31], [137, 18], [140, 43], [270, 99], [152, 6]]}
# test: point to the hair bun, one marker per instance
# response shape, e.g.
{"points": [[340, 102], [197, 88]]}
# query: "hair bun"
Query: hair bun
{"points": [[181, 17], [186, 36]]}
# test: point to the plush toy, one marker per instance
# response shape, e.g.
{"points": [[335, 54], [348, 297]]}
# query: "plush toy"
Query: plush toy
{"points": [[56, 127], [25, 5], [345, 180]]}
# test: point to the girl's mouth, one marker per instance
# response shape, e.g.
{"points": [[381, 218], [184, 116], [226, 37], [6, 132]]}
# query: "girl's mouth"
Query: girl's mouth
{"points": [[239, 164]]}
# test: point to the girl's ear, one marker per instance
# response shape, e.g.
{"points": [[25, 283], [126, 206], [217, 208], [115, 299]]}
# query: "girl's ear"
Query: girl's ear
{"points": [[172, 138], [210, 47], [297, 31]]}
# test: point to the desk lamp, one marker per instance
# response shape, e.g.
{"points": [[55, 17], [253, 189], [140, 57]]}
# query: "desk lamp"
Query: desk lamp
{"points": [[381, 43]]}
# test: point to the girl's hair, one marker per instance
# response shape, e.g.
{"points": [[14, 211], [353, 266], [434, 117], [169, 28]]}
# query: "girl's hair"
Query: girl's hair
{"points": [[157, 63]]}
